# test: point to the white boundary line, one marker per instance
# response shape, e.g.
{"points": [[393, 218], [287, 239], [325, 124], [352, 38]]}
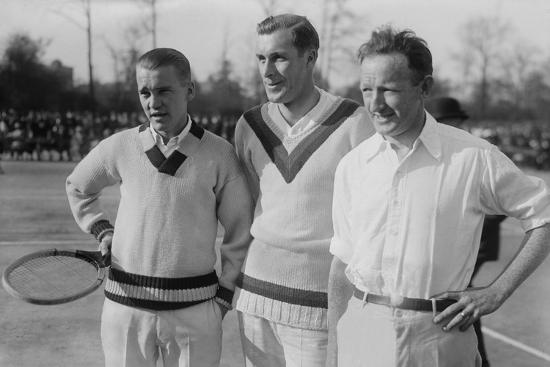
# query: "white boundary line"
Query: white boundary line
{"points": [[47, 242], [515, 343]]}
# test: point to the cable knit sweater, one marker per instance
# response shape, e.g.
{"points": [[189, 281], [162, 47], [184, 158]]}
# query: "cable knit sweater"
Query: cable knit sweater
{"points": [[163, 249], [284, 278]]}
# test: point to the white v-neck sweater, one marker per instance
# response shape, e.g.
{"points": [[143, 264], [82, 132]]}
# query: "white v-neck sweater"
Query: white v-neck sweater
{"points": [[168, 215], [285, 275]]}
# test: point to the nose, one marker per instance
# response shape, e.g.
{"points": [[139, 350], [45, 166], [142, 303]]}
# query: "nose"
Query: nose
{"points": [[376, 102], [267, 68], [154, 101]]}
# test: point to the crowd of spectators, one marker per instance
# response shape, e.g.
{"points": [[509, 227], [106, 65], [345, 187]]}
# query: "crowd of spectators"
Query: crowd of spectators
{"points": [[526, 143], [42, 135]]}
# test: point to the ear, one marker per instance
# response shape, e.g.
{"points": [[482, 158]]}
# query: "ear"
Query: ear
{"points": [[190, 90], [312, 57], [427, 85]]}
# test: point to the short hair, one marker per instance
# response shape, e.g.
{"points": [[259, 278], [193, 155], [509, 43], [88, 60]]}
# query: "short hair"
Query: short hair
{"points": [[160, 57], [386, 40], [304, 35]]}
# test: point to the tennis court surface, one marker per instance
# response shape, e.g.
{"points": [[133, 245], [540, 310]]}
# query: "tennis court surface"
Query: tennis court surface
{"points": [[34, 215]]}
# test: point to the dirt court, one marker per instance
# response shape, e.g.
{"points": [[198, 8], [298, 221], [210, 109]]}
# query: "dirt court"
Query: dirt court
{"points": [[34, 215]]}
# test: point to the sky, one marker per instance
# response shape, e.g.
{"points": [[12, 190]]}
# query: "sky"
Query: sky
{"points": [[204, 29]]}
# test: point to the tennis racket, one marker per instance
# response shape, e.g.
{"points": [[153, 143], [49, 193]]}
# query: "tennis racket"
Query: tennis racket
{"points": [[51, 277]]}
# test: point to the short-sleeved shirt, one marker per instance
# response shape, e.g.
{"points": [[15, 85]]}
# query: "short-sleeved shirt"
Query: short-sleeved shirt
{"points": [[412, 228]]}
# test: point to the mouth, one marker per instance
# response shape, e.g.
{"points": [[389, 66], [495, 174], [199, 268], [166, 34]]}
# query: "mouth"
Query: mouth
{"points": [[271, 84], [158, 115], [382, 117]]}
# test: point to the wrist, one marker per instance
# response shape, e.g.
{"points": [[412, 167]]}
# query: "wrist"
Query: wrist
{"points": [[100, 228], [224, 297]]}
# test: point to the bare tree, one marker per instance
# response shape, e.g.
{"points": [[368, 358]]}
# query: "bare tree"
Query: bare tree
{"points": [[269, 7], [480, 54], [151, 26], [340, 30], [86, 27], [517, 68]]}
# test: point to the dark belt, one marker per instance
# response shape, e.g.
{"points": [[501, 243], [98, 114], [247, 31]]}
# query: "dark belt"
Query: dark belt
{"points": [[415, 304]]}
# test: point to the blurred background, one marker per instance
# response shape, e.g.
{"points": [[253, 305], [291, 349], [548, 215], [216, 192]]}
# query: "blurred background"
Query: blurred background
{"points": [[67, 66]]}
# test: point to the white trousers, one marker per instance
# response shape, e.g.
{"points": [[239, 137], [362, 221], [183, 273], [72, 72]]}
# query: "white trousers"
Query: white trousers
{"points": [[187, 337], [270, 344], [375, 335]]}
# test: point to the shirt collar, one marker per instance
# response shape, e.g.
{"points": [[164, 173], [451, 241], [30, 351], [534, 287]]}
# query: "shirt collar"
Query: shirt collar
{"points": [[176, 139], [429, 137]]}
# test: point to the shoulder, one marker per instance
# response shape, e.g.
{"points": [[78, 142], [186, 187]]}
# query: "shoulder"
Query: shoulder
{"points": [[351, 161], [217, 148], [249, 120], [118, 140], [253, 114], [216, 143], [455, 138]]}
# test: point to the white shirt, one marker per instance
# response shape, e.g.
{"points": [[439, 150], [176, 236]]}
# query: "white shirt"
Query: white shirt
{"points": [[412, 228], [173, 143]]}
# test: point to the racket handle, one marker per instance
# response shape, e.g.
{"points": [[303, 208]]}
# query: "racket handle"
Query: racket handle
{"points": [[106, 258]]}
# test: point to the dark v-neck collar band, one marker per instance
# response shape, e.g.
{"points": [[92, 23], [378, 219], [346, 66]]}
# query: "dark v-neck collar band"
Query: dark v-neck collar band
{"points": [[290, 164], [169, 165]]}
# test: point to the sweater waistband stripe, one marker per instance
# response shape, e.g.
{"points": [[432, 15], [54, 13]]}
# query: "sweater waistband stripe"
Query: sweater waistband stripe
{"points": [[281, 293], [123, 277], [161, 295], [151, 305]]}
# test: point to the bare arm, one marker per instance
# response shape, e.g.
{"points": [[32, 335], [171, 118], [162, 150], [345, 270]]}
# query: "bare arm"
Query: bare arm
{"points": [[339, 293], [476, 302]]}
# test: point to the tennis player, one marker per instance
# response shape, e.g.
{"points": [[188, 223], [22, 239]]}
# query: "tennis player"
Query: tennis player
{"points": [[163, 298], [290, 147], [408, 212]]}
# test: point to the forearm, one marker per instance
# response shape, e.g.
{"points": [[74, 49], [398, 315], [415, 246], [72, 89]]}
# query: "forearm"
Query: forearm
{"points": [[339, 292], [533, 251], [235, 215]]}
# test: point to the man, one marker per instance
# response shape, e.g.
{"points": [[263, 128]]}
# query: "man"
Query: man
{"points": [[290, 147], [448, 111], [176, 181], [409, 205]]}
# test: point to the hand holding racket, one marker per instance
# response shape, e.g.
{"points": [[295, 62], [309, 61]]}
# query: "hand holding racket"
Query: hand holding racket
{"points": [[54, 276]]}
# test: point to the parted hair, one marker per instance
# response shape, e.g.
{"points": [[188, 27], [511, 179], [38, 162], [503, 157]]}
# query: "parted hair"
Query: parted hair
{"points": [[304, 35], [387, 40], [159, 57]]}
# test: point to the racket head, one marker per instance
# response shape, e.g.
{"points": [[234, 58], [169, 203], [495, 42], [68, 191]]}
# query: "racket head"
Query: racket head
{"points": [[53, 276]]}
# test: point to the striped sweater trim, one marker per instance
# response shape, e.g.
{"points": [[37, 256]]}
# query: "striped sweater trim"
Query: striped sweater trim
{"points": [[169, 165], [311, 318], [289, 165], [159, 293], [282, 293]]}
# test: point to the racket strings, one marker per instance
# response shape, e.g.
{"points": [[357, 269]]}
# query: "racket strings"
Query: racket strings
{"points": [[52, 277]]}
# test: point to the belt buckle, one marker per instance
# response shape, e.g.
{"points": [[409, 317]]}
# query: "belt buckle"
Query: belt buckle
{"points": [[396, 301]]}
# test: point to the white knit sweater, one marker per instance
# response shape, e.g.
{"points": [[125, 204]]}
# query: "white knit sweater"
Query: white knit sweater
{"points": [[163, 250], [285, 275]]}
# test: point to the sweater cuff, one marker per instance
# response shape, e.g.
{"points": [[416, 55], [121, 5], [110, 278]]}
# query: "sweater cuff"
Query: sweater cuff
{"points": [[224, 297], [100, 228]]}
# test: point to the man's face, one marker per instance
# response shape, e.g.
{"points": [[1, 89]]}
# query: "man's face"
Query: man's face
{"points": [[395, 104], [283, 70], [164, 99]]}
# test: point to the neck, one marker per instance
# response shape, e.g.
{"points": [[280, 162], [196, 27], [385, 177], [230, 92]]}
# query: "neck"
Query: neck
{"points": [[295, 110], [403, 143], [167, 135]]}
